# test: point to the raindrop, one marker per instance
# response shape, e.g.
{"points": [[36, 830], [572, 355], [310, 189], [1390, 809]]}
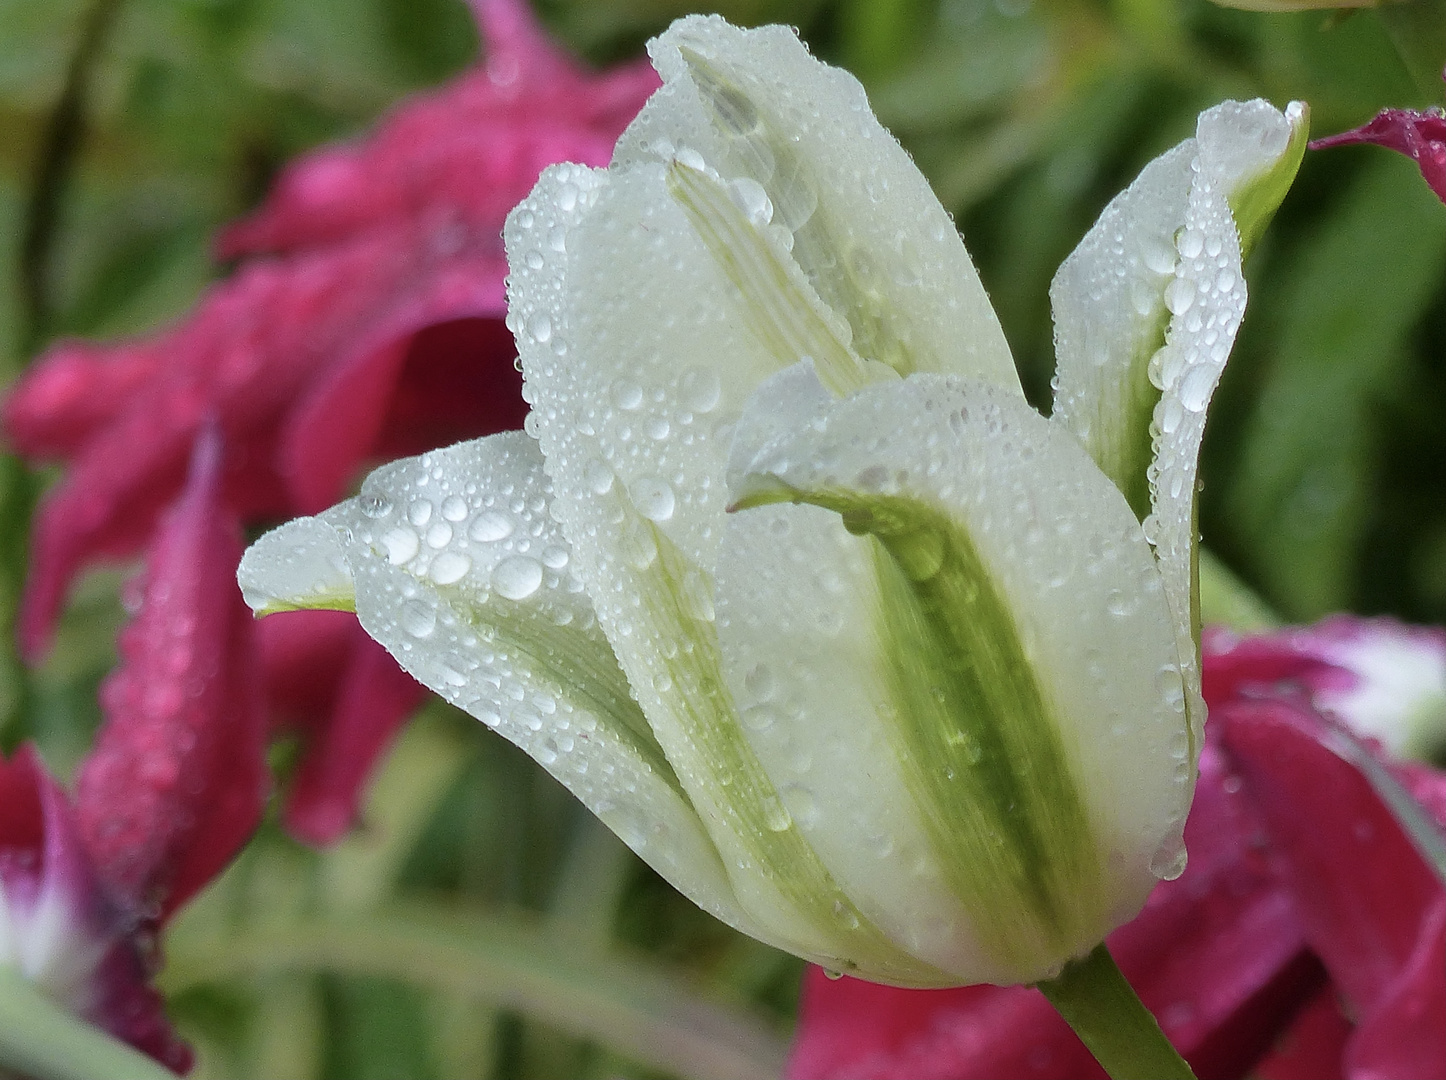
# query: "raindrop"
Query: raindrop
{"points": [[653, 497], [540, 327], [439, 535], [418, 619], [454, 508], [517, 578], [701, 390], [1191, 243], [1195, 387], [491, 526], [420, 512], [1179, 295], [627, 394], [402, 545], [598, 476], [376, 505], [450, 567]]}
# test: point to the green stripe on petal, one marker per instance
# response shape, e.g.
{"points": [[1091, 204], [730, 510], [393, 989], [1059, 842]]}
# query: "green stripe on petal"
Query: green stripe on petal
{"points": [[857, 215], [782, 308], [1022, 650], [1146, 311]]}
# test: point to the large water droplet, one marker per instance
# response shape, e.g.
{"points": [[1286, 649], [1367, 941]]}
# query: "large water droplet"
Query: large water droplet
{"points": [[418, 619], [439, 535], [490, 526], [598, 477], [517, 577], [1191, 243], [1195, 387], [402, 545], [449, 567], [702, 390], [376, 505], [627, 394], [653, 496], [454, 508], [540, 327], [1179, 295]]}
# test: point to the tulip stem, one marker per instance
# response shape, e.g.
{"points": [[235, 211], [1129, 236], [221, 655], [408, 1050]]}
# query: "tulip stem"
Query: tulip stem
{"points": [[40, 1039], [1107, 1015]]}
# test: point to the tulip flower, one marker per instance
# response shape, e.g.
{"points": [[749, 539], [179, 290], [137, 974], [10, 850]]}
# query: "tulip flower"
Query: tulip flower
{"points": [[785, 580], [173, 787], [1303, 895]]}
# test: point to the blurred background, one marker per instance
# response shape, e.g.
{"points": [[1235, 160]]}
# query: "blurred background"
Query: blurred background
{"points": [[481, 924]]}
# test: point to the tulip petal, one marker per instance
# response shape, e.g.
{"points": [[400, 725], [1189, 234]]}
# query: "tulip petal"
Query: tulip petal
{"points": [[858, 216], [1146, 311], [637, 447], [461, 572], [970, 641]]}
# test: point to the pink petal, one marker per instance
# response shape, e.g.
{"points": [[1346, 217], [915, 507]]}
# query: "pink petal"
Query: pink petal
{"points": [[327, 678], [1312, 1049], [56, 406], [1217, 955], [1404, 1036], [376, 698], [89, 957], [1421, 136], [177, 778], [1361, 889]]}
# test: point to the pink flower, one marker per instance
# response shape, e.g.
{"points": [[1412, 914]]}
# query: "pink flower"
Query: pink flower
{"points": [[366, 317], [328, 680], [1421, 136], [1304, 902], [58, 926], [172, 789]]}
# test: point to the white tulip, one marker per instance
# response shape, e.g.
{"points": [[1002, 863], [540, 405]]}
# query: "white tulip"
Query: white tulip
{"points": [[786, 581]]}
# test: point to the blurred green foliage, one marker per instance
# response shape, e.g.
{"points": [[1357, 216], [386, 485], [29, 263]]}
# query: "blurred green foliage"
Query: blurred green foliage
{"points": [[481, 924]]}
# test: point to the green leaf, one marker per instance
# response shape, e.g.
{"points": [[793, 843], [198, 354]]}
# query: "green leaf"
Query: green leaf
{"points": [[511, 962]]}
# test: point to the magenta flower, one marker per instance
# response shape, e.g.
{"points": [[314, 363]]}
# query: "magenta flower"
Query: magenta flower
{"points": [[1304, 903], [172, 789], [327, 680], [60, 929], [366, 317], [1421, 136]]}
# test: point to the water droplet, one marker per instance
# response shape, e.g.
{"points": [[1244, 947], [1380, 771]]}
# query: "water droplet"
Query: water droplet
{"points": [[439, 535], [653, 496], [1191, 243], [540, 327], [748, 195], [420, 512], [760, 682], [402, 545], [775, 815], [418, 619], [1179, 295], [554, 556], [454, 508], [702, 390], [376, 505], [598, 477], [627, 394], [490, 526], [1169, 859], [449, 567], [534, 259], [1195, 387], [517, 577]]}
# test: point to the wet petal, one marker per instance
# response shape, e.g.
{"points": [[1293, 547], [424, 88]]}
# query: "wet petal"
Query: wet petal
{"points": [[1001, 641], [462, 573], [1421, 136], [177, 778]]}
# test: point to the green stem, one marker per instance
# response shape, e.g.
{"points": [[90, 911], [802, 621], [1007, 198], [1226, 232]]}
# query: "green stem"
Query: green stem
{"points": [[40, 1039], [1095, 1000]]}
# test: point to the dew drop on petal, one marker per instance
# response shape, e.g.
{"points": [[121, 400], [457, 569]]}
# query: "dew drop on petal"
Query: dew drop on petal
{"points": [[402, 545], [1179, 295], [517, 577], [449, 567], [598, 476], [490, 526], [653, 496], [418, 619], [454, 508]]}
